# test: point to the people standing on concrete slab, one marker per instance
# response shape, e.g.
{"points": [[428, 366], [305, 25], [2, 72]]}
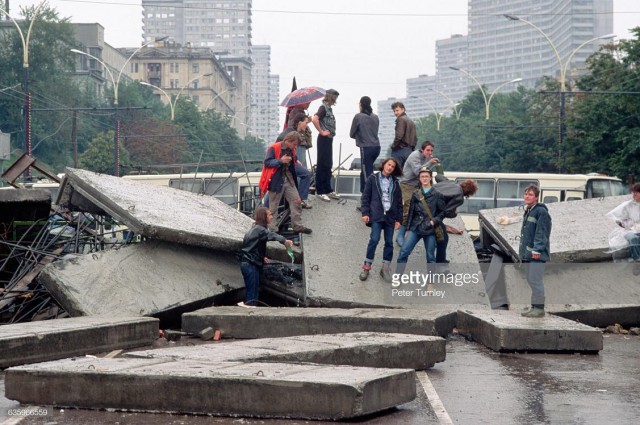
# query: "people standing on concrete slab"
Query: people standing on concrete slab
{"points": [[382, 211], [325, 122], [253, 253], [405, 138], [426, 212], [454, 195], [535, 247], [409, 181], [299, 124], [627, 217], [280, 180], [364, 128]]}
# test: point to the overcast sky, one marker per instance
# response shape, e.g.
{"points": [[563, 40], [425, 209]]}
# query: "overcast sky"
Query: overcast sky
{"points": [[358, 47]]}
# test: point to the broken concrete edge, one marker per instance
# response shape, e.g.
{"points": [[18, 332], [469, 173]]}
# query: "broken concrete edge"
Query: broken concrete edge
{"points": [[34, 347], [602, 317], [325, 392], [528, 339]]}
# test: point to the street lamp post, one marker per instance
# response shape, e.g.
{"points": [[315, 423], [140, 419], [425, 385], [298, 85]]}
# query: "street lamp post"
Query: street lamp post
{"points": [[437, 114], [218, 95], [454, 105], [563, 75], [487, 101], [26, 122], [173, 102], [116, 82]]}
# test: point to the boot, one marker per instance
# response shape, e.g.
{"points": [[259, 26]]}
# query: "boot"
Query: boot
{"points": [[385, 272], [534, 312], [364, 274]]}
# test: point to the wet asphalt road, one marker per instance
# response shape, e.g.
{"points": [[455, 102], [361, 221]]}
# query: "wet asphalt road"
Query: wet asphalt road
{"points": [[473, 386]]}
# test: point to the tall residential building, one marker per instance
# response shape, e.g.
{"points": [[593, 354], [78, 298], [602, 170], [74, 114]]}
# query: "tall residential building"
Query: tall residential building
{"points": [[451, 86], [421, 99], [502, 49], [264, 97]]}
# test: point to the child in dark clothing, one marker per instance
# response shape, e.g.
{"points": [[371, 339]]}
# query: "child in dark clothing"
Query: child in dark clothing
{"points": [[252, 254]]}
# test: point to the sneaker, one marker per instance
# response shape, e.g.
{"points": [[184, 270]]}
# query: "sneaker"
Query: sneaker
{"points": [[533, 312], [324, 197], [334, 195], [364, 274], [304, 230], [241, 304], [305, 205], [385, 272]]}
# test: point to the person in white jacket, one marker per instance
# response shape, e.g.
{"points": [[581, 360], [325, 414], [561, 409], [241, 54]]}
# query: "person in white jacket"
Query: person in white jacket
{"points": [[627, 216]]}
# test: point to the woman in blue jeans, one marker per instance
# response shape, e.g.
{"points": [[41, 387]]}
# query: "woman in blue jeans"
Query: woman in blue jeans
{"points": [[423, 223], [253, 254], [382, 210]]}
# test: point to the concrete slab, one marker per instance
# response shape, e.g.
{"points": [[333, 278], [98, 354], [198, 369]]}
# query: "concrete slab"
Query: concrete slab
{"points": [[508, 331], [234, 322], [33, 342], [335, 251], [363, 349], [202, 387], [157, 212], [24, 204], [597, 294], [579, 234], [151, 278]]}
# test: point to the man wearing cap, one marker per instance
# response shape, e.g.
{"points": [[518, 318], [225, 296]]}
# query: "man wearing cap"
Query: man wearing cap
{"points": [[405, 139], [325, 122], [364, 128]]}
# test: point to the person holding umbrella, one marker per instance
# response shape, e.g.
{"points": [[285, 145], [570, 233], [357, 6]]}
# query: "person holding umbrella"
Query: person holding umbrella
{"points": [[325, 122]]}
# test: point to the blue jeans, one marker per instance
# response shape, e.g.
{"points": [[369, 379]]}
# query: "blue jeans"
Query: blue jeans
{"points": [[401, 155], [368, 157], [376, 229], [304, 181], [634, 244], [251, 275], [301, 153], [410, 242], [535, 272]]}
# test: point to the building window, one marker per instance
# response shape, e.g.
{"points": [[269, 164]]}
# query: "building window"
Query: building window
{"points": [[195, 68], [196, 84]]}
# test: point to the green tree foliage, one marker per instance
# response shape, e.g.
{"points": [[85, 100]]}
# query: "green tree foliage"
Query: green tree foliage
{"points": [[99, 156]]}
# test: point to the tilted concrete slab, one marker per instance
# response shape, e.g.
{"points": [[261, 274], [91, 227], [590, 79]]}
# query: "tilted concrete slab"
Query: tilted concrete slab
{"points": [[157, 212], [580, 231], [363, 349], [234, 322], [597, 294], [24, 204], [202, 387], [33, 342], [334, 253], [150, 278], [508, 331]]}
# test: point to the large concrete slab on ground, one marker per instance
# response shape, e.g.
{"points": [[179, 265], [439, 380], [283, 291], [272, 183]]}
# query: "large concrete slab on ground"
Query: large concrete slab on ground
{"points": [[24, 204], [234, 322], [334, 253], [580, 231], [502, 330], [150, 278], [203, 387], [363, 349], [156, 212], [33, 342], [597, 294]]}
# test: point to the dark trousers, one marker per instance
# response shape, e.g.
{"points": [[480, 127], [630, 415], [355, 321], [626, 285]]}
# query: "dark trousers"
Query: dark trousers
{"points": [[251, 275], [324, 166], [441, 247], [368, 157], [401, 155]]}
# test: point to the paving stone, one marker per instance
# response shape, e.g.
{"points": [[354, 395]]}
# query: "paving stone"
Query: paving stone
{"points": [[508, 331], [367, 349], [252, 389], [33, 342], [143, 279], [234, 322]]}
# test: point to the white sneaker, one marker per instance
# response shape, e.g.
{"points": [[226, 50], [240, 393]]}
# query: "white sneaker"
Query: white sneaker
{"points": [[334, 195], [241, 304], [324, 198]]}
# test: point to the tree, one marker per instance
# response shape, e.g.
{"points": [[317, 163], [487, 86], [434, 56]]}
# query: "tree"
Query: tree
{"points": [[99, 156]]}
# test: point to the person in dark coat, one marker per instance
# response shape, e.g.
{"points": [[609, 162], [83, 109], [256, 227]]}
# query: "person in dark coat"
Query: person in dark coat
{"points": [[382, 210], [253, 253], [364, 128], [422, 223], [535, 247]]}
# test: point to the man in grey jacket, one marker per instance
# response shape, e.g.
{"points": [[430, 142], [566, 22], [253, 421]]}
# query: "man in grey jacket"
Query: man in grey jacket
{"points": [[364, 129], [405, 139]]}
